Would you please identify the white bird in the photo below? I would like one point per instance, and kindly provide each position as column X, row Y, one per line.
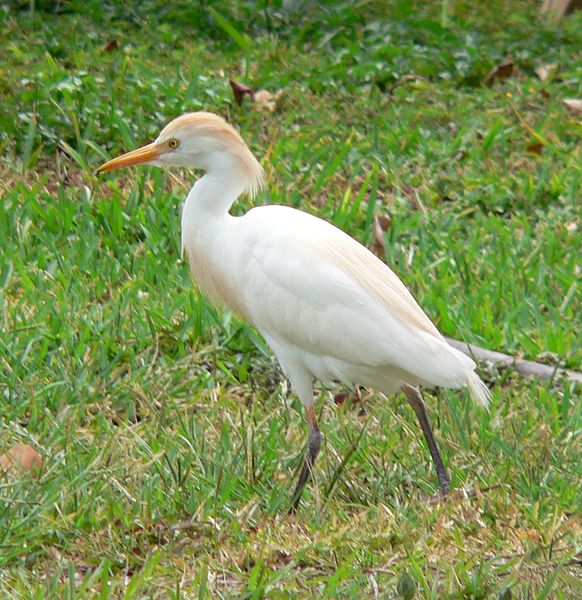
column 327, row 307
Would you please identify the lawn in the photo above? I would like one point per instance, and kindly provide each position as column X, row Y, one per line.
column 170, row 440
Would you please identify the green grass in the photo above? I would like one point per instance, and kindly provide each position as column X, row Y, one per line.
column 169, row 438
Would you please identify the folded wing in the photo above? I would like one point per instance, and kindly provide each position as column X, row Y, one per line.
column 318, row 289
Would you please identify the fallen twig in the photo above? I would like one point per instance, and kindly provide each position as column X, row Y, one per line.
column 528, row 368
column 542, row 140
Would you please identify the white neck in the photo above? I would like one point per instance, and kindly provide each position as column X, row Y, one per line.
column 213, row 195
column 208, row 204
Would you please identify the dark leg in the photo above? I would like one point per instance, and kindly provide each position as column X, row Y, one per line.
column 314, row 444
column 415, row 400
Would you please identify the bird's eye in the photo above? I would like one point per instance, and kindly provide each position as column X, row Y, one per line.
column 173, row 143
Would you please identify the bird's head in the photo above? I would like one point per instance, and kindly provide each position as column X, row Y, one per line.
column 199, row 140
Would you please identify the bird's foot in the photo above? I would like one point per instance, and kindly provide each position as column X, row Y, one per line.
column 442, row 495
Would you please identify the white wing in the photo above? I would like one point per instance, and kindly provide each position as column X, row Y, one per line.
column 311, row 286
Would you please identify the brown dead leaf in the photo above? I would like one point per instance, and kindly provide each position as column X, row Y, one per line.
column 381, row 224
column 263, row 99
column 110, row 46
column 385, row 222
column 504, row 70
column 341, row 397
column 21, row 457
column 574, row 105
column 535, row 147
column 240, row 90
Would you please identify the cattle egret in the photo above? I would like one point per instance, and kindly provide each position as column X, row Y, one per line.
column 327, row 307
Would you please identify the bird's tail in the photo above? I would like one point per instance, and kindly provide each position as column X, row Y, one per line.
column 479, row 391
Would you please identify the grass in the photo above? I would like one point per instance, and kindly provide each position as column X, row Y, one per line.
column 169, row 437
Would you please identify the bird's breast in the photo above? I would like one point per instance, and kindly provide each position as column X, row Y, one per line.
column 211, row 266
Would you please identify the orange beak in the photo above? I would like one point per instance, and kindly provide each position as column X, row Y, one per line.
column 135, row 157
